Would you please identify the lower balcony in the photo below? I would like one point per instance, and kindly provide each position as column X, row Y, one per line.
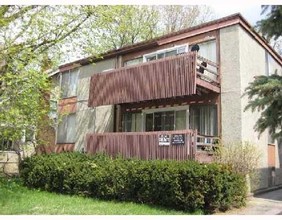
column 174, row 145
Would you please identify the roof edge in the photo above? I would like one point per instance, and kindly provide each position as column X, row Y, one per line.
column 226, row 21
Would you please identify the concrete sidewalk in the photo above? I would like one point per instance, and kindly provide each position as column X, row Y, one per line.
column 269, row 203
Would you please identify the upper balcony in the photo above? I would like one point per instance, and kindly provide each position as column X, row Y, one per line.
column 169, row 77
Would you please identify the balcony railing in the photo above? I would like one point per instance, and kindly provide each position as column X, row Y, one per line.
column 144, row 145
column 164, row 78
column 175, row 145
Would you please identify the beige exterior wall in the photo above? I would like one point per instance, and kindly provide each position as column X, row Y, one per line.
column 252, row 63
column 230, row 84
column 242, row 58
column 99, row 119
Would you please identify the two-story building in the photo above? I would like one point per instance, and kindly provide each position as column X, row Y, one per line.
column 171, row 97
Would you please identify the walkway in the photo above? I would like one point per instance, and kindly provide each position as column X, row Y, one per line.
column 269, row 203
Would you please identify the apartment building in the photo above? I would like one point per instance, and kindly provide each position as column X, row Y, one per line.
column 172, row 97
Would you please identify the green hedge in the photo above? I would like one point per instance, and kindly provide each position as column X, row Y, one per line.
column 184, row 185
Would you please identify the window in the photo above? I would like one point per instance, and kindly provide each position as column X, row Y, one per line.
column 201, row 117
column 133, row 61
column 132, row 122
column 53, row 109
column 271, row 67
column 165, row 53
column 204, row 119
column 69, row 83
column 5, row 144
column 271, row 140
column 208, row 50
column 166, row 120
column 67, row 129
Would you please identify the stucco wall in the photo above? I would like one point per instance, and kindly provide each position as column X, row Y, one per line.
column 230, row 84
column 242, row 58
column 88, row 120
column 252, row 63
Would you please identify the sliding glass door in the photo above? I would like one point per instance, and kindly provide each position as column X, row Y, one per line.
column 204, row 119
column 200, row 117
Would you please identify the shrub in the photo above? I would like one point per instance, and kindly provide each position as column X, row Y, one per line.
column 243, row 157
column 184, row 185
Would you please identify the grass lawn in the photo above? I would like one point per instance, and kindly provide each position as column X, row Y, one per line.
column 17, row 199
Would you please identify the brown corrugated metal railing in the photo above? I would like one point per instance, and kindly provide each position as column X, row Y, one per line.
column 164, row 78
column 142, row 145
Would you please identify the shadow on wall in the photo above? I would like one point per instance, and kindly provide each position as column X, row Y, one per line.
column 104, row 121
column 89, row 120
column 265, row 178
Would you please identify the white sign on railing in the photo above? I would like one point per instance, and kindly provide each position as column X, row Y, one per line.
column 164, row 140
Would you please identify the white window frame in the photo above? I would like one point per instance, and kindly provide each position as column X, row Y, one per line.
column 69, row 72
column 145, row 56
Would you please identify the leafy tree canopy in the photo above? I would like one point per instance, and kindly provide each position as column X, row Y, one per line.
column 36, row 38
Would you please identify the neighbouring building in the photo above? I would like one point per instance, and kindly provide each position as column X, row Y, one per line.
column 169, row 97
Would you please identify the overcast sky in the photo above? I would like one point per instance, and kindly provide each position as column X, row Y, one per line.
column 250, row 9
column 250, row 12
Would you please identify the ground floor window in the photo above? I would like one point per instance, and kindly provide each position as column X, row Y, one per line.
column 132, row 122
column 204, row 119
column 166, row 120
column 200, row 117
column 5, row 144
column 67, row 129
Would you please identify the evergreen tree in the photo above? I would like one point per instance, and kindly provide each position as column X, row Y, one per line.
column 265, row 93
column 272, row 25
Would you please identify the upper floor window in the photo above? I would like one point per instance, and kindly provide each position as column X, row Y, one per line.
column 69, row 83
column 165, row 53
column 133, row 61
column 271, row 66
column 207, row 50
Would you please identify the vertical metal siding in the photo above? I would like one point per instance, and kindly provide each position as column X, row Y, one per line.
column 165, row 78
column 142, row 145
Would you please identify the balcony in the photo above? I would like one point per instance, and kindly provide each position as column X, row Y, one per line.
column 173, row 145
column 170, row 77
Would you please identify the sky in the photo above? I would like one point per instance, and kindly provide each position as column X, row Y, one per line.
column 252, row 13
column 250, row 9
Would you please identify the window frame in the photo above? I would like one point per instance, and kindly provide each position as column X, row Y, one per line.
column 170, row 49
column 167, row 109
column 69, row 73
column 66, row 130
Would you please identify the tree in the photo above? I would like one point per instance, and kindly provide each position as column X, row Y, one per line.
column 176, row 17
column 265, row 95
column 35, row 38
column 120, row 25
column 30, row 42
column 271, row 26
column 265, row 92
